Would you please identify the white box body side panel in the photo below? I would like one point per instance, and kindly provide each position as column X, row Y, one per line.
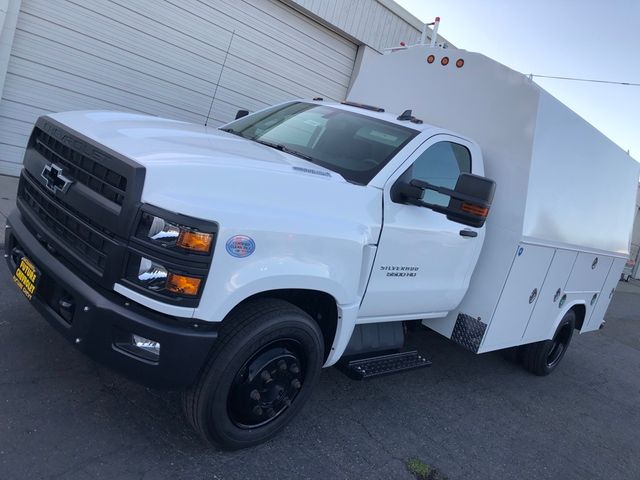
column 582, row 187
column 542, row 321
column 594, row 321
column 589, row 273
column 519, row 297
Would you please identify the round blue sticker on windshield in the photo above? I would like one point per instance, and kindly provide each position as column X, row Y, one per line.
column 240, row 246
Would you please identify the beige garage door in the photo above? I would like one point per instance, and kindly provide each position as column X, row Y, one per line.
column 164, row 58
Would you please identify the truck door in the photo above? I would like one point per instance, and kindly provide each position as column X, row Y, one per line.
column 424, row 261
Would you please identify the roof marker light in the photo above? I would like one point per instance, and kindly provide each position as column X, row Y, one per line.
column 431, row 59
column 445, row 61
column 459, row 63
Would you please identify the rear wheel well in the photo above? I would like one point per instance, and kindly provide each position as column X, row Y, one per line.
column 320, row 306
column 581, row 312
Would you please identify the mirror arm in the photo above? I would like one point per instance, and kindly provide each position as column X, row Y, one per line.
column 447, row 191
column 421, row 203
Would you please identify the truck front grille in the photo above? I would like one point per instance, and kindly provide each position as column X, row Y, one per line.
column 97, row 177
column 86, row 242
column 87, row 223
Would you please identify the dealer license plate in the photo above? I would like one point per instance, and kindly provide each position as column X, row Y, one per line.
column 26, row 277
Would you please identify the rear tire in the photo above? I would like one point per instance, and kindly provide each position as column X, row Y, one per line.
column 542, row 358
column 263, row 367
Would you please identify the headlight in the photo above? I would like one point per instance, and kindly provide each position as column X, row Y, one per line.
column 159, row 279
column 167, row 234
column 169, row 256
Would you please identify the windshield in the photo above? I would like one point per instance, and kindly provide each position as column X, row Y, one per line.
column 353, row 145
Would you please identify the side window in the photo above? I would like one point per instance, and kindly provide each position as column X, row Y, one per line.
column 440, row 165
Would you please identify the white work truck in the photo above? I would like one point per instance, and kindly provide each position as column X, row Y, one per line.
column 235, row 262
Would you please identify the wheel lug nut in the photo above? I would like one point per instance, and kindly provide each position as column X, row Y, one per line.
column 295, row 383
column 271, row 412
column 294, row 369
column 257, row 410
column 255, row 395
column 266, row 376
column 282, row 365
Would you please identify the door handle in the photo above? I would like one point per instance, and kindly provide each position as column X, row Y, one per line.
column 468, row 233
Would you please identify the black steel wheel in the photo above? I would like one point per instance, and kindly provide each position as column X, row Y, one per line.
column 264, row 365
column 542, row 358
column 267, row 384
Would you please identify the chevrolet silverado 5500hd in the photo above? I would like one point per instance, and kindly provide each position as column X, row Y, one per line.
column 235, row 262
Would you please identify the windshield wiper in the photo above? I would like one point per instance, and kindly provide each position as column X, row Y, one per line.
column 285, row 149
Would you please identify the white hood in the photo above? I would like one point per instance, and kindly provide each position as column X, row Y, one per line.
column 159, row 142
column 206, row 173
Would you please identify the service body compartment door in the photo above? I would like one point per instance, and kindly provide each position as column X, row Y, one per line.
column 519, row 296
column 542, row 322
column 589, row 273
column 604, row 298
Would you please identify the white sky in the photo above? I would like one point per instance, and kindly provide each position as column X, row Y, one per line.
column 569, row 38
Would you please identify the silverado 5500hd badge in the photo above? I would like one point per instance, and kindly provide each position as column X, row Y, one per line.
column 400, row 270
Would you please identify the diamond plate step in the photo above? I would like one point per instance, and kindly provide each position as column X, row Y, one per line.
column 371, row 367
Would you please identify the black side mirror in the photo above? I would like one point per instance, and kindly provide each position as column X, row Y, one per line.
column 241, row 113
column 469, row 202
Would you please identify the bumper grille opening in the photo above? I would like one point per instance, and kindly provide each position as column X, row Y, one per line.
column 97, row 177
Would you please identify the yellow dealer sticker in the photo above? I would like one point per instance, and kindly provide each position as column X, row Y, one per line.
column 26, row 277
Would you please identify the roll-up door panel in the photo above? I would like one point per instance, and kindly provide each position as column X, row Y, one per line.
column 165, row 59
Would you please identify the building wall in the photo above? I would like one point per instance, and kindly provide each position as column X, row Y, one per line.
column 193, row 60
column 378, row 24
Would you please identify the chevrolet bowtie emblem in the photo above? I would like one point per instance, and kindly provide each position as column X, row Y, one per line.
column 54, row 179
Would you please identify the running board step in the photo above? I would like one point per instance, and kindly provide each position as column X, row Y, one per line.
column 365, row 368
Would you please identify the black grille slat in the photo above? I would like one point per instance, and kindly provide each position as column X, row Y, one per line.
column 89, row 244
column 98, row 178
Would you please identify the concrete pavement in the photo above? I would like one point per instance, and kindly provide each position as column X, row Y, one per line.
column 62, row 416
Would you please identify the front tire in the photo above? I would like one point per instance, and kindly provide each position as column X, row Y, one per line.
column 542, row 358
column 261, row 372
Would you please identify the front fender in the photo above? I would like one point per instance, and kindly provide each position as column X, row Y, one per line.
column 246, row 278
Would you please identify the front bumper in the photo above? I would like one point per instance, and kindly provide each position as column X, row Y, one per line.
column 99, row 319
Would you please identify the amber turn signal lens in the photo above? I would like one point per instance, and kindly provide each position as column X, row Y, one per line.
column 445, row 61
column 459, row 63
column 431, row 58
column 196, row 241
column 475, row 209
column 183, row 285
